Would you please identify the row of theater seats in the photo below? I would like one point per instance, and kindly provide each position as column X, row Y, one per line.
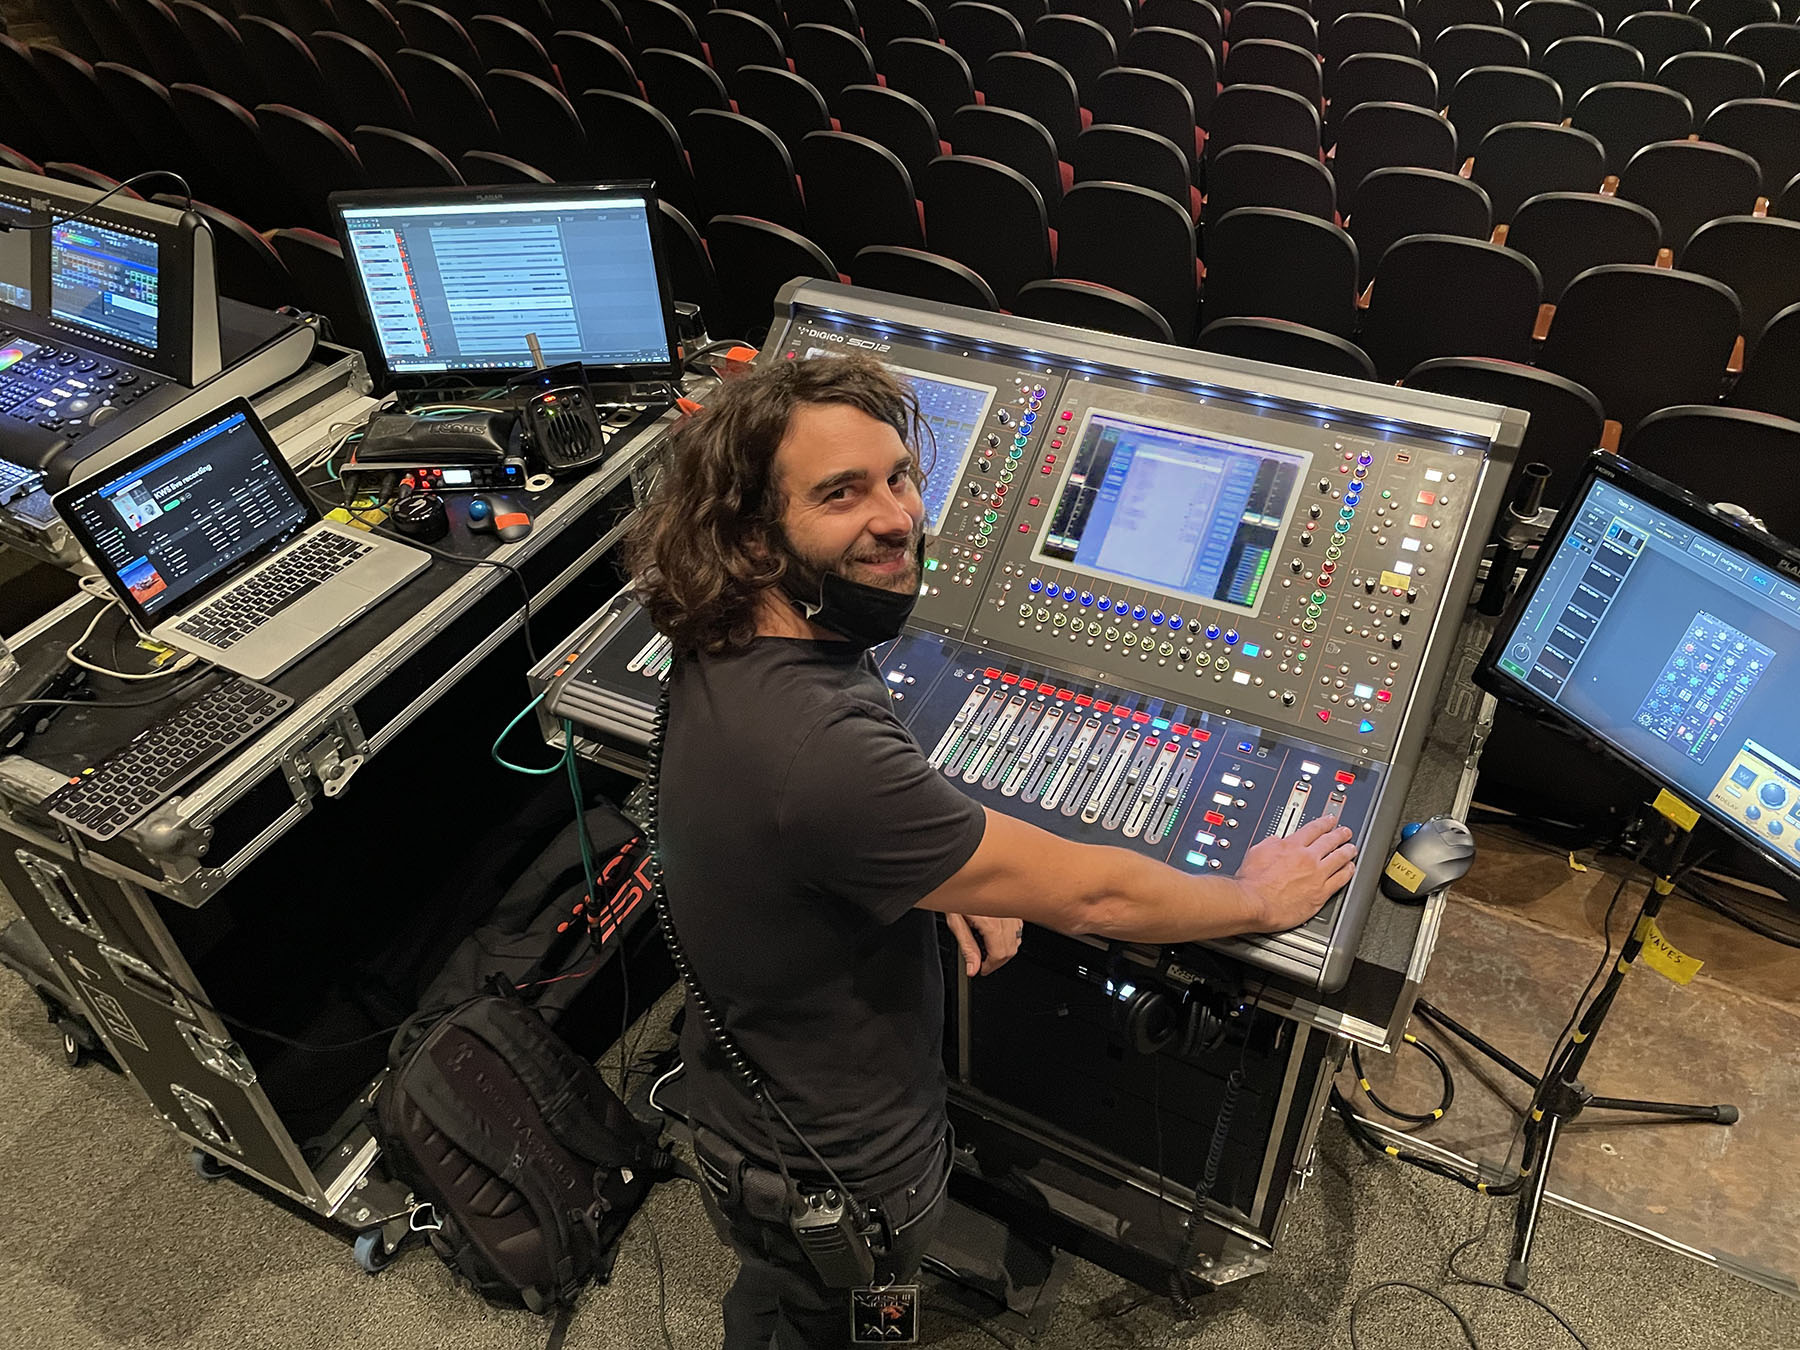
column 1561, row 234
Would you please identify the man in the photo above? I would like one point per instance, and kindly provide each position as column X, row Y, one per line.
column 805, row 841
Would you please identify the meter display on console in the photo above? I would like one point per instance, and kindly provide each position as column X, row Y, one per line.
column 1176, row 511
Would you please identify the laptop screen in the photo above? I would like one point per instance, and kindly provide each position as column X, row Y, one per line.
column 172, row 519
column 453, row 281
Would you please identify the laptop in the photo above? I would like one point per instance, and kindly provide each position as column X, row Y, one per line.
column 214, row 547
column 454, row 281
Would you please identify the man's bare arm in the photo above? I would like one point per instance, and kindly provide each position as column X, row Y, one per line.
column 1023, row 872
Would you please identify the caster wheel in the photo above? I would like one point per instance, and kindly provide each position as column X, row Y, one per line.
column 372, row 1254
column 206, row 1167
column 74, row 1052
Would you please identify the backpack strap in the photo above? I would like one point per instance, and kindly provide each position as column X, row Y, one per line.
column 467, row 1132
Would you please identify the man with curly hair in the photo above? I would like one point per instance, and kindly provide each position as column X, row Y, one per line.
column 807, row 845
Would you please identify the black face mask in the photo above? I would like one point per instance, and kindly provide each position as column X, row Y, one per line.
column 865, row 615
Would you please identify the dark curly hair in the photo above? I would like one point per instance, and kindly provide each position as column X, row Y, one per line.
column 705, row 546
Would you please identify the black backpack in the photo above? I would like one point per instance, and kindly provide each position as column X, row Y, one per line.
column 531, row 1163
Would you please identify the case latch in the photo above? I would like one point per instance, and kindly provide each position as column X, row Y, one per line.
column 331, row 759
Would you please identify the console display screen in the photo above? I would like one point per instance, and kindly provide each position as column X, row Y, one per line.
column 15, row 257
column 1172, row 511
column 106, row 280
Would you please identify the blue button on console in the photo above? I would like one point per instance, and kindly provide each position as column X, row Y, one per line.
column 1036, row 585
column 1156, row 617
column 1212, row 631
column 1105, row 603
column 1138, row 611
column 1231, row 636
column 1068, row 592
column 1175, row 622
column 1087, row 597
column 1365, row 726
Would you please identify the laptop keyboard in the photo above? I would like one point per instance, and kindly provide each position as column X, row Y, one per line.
column 122, row 790
column 247, row 605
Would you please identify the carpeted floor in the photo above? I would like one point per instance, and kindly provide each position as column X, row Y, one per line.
column 107, row 1240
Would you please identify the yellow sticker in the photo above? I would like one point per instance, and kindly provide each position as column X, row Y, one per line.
column 1392, row 580
column 1663, row 958
column 1668, row 804
column 1405, row 872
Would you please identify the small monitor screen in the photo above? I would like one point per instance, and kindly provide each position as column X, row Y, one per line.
column 1172, row 511
column 105, row 280
column 169, row 525
column 15, row 257
column 458, row 285
column 1675, row 649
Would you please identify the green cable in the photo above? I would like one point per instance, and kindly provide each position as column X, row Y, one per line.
column 494, row 750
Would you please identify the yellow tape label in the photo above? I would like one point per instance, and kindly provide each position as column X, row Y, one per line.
column 1662, row 957
column 1394, row 581
column 1405, row 872
column 1668, row 804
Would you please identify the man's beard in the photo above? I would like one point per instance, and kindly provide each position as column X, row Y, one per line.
column 858, row 565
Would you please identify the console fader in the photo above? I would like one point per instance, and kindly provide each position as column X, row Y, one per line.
column 1173, row 603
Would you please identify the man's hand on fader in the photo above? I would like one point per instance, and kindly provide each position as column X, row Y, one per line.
column 1288, row 880
column 1000, row 938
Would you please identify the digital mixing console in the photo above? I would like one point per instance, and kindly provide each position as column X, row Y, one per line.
column 1170, row 602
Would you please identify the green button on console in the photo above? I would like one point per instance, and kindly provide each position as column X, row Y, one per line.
column 989, row 516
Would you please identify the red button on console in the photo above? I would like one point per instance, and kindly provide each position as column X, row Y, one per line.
column 1009, row 678
column 1324, row 714
column 1214, row 818
column 1028, row 685
column 1140, row 717
column 992, row 672
column 1384, row 695
column 1180, row 729
column 1101, row 705
column 1345, row 777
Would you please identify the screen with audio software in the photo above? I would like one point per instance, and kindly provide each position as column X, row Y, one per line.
column 15, row 257
column 1677, row 650
column 457, row 285
column 1172, row 511
column 105, row 280
column 169, row 525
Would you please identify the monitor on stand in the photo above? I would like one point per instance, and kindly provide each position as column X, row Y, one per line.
column 1667, row 633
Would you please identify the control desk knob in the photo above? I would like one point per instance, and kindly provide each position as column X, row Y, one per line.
column 1003, row 417
column 1773, row 793
column 1287, row 698
column 1156, row 617
column 993, row 441
column 1212, row 632
column 974, row 489
column 1398, row 638
column 1231, row 636
column 1369, row 585
column 1138, row 611
column 1405, row 615
column 1324, row 485
column 1314, row 511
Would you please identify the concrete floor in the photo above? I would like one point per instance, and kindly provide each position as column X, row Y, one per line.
column 1518, row 944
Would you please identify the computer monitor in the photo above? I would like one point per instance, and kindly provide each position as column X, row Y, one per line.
column 1172, row 509
column 453, row 279
column 1668, row 634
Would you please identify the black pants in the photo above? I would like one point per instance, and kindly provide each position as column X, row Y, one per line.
column 777, row 1302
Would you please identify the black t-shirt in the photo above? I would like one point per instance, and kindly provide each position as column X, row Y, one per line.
column 800, row 824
